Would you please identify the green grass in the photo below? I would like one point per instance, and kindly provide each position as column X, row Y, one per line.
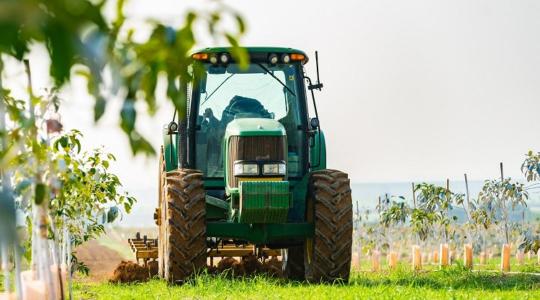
column 453, row 283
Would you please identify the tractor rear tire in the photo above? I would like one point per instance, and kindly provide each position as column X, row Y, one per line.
column 183, row 225
column 293, row 266
column 328, row 254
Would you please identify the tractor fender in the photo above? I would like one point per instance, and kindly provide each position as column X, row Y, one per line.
column 317, row 157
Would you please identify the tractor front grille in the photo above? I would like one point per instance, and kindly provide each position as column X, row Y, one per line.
column 258, row 148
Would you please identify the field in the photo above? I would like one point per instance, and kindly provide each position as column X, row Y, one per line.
column 453, row 283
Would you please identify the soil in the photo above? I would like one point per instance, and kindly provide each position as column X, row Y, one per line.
column 107, row 264
column 128, row 271
column 100, row 260
column 252, row 265
column 273, row 267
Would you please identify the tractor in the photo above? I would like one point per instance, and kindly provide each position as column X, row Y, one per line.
column 243, row 168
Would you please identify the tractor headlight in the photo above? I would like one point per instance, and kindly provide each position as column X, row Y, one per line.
column 285, row 58
column 274, row 169
column 224, row 58
column 273, row 59
column 245, row 169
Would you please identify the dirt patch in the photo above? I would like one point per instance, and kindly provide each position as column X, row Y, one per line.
column 247, row 266
column 273, row 267
column 230, row 266
column 100, row 260
column 252, row 265
column 127, row 272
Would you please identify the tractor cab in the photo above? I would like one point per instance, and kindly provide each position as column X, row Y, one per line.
column 244, row 168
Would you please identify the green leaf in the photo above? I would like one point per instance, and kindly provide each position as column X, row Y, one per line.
column 99, row 108
column 240, row 23
column 128, row 116
column 40, row 191
column 240, row 54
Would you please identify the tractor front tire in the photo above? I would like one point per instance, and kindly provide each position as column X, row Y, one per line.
column 183, row 225
column 328, row 254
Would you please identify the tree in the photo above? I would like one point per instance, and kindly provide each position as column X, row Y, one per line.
column 67, row 195
column 531, row 170
column 433, row 206
column 497, row 199
column 394, row 214
column 78, row 36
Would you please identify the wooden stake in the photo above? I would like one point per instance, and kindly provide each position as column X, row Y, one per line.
column 505, row 258
column 520, row 257
column 468, row 256
column 443, row 250
column 392, row 259
column 359, row 250
column 467, row 188
column 356, row 261
column 435, row 257
column 413, row 196
column 375, row 261
column 33, row 288
column 414, row 207
column 8, row 296
column 483, row 257
column 416, row 258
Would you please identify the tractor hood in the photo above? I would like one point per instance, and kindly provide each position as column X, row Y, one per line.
column 254, row 127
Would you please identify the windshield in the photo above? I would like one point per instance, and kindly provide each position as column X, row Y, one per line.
column 228, row 93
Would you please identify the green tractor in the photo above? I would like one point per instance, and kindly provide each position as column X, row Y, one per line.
column 246, row 169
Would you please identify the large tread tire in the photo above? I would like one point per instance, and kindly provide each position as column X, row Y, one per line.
column 328, row 254
column 293, row 266
column 183, row 225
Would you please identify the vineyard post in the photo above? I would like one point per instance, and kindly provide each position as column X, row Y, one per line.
column 448, row 198
column 503, row 204
column 358, row 233
column 469, row 249
column 506, row 248
column 414, row 207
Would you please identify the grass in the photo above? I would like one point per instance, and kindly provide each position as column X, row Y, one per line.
column 452, row 283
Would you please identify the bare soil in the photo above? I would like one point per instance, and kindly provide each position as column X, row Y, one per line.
column 100, row 260
column 128, row 271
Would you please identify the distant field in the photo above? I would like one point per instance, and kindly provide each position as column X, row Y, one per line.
column 453, row 283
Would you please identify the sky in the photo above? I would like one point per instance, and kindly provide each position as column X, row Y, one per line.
column 413, row 90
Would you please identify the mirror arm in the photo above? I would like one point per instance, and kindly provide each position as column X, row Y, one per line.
column 310, row 131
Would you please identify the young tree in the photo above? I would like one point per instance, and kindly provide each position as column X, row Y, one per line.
column 531, row 171
column 497, row 199
column 394, row 215
column 433, row 206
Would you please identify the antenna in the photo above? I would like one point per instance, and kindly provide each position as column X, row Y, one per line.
column 317, row 65
column 318, row 85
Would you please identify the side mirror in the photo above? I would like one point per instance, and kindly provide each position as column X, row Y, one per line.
column 173, row 127
column 314, row 123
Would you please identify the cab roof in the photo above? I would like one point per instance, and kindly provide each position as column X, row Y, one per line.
column 257, row 50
